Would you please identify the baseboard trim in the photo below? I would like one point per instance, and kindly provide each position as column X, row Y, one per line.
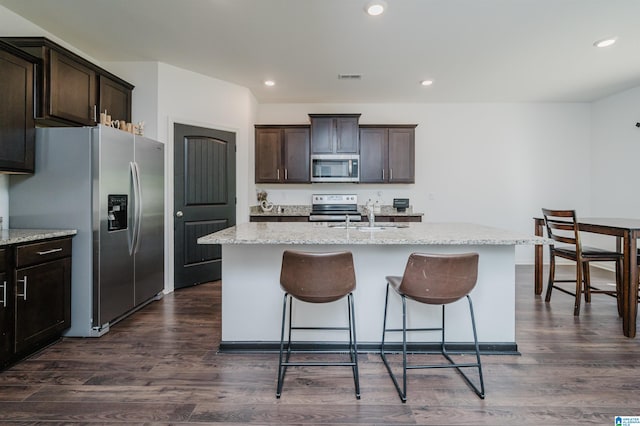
column 486, row 348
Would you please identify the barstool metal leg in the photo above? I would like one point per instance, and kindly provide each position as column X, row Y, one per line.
column 478, row 364
column 282, row 369
column 401, row 392
column 353, row 344
column 284, row 358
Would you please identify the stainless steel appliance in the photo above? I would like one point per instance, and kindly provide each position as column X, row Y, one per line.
column 109, row 185
column 334, row 208
column 335, row 168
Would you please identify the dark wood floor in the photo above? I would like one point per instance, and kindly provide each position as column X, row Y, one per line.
column 160, row 366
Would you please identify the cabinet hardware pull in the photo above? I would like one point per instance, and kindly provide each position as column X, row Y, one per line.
column 390, row 174
column 286, row 174
column 95, row 113
column 24, row 288
column 55, row 250
column 278, row 174
column 382, row 174
column 4, row 294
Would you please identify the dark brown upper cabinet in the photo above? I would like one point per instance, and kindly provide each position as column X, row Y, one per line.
column 334, row 133
column 71, row 90
column 115, row 98
column 282, row 154
column 71, row 94
column 17, row 125
column 387, row 153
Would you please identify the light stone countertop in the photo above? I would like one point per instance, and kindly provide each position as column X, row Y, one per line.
column 417, row 233
column 17, row 236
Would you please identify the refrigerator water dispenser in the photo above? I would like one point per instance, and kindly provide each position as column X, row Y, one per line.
column 117, row 213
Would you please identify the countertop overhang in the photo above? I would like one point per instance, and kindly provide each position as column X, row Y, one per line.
column 321, row 233
column 17, row 236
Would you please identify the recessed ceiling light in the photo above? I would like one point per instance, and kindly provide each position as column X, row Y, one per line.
column 426, row 82
column 269, row 83
column 375, row 7
column 606, row 42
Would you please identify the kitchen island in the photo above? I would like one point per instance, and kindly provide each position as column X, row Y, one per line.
column 252, row 298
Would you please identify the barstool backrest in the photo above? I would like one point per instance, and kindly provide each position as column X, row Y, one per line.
column 439, row 279
column 317, row 277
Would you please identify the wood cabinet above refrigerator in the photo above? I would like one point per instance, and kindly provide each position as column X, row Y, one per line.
column 70, row 90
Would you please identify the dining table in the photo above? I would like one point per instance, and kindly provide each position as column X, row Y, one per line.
column 626, row 231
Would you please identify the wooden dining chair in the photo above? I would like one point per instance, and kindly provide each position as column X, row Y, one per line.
column 562, row 227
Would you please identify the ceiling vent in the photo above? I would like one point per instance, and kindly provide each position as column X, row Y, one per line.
column 349, row 76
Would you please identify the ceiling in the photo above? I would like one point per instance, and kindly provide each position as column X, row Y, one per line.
column 474, row 50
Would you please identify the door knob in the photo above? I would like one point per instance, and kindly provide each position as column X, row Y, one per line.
column 179, row 213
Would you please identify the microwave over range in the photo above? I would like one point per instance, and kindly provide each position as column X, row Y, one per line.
column 335, row 168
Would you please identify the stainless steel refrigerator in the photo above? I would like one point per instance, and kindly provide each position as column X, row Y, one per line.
column 109, row 185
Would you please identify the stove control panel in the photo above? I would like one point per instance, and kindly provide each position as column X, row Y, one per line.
column 334, row 199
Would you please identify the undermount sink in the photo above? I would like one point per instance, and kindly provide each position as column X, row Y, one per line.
column 366, row 227
column 373, row 228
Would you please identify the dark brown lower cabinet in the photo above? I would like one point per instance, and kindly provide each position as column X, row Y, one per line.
column 408, row 218
column 6, row 308
column 41, row 310
column 279, row 219
column 38, row 296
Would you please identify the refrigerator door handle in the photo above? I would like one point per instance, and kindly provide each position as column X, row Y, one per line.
column 138, row 208
column 135, row 200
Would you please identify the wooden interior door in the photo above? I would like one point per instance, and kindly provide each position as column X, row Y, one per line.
column 204, row 200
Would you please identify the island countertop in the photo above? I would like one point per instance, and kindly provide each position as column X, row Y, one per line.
column 321, row 233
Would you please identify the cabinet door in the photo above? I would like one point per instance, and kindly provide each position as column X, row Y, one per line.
column 296, row 155
column 41, row 302
column 17, row 126
column 115, row 98
column 323, row 135
column 6, row 310
column 401, row 155
column 268, row 155
column 347, row 140
column 72, row 91
column 373, row 155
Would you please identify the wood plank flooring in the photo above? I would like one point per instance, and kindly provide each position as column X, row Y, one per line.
column 160, row 366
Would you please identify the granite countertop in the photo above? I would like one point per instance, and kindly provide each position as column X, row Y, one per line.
column 419, row 233
column 288, row 210
column 16, row 236
column 305, row 210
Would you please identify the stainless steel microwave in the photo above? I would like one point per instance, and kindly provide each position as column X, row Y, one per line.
column 335, row 168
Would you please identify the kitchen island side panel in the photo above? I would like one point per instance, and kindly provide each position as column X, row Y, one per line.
column 252, row 298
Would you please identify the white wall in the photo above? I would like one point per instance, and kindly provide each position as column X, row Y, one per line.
column 615, row 151
column 494, row 164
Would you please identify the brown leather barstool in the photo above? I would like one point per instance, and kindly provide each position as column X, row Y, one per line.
column 433, row 279
column 317, row 278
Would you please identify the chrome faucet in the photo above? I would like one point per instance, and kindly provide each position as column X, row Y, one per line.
column 371, row 216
